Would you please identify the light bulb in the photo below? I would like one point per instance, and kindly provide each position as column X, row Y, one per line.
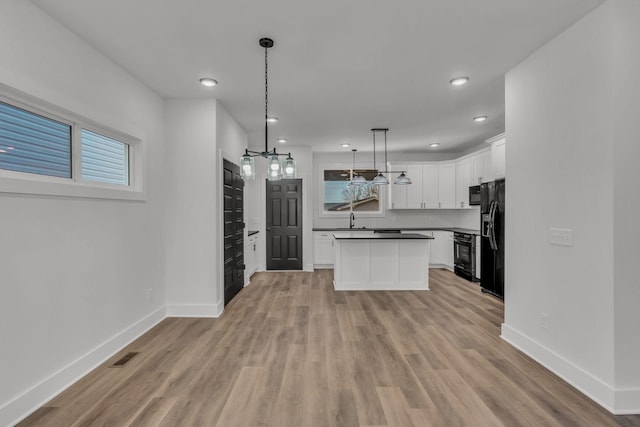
column 289, row 170
column 275, row 166
column 247, row 168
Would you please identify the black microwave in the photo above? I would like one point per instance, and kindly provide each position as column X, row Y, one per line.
column 474, row 195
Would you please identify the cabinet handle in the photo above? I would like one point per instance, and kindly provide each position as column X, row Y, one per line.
column 393, row 205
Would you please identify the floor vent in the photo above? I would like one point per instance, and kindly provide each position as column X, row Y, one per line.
column 125, row 359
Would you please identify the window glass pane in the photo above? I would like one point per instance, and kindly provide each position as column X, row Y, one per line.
column 34, row 144
column 338, row 193
column 104, row 159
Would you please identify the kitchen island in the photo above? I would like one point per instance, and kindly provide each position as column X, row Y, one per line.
column 381, row 261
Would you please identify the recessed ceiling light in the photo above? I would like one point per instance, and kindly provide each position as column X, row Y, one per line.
column 345, row 145
column 457, row 81
column 208, row 82
column 282, row 140
column 480, row 118
column 272, row 119
column 434, row 145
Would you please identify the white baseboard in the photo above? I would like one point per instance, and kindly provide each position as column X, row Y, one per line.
column 308, row 268
column 323, row 266
column 23, row 405
column 195, row 310
column 616, row 401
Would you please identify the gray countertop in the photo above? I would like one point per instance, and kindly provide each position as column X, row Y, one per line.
column 453, row 229
column 344, row 235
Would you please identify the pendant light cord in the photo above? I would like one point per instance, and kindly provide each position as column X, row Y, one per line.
column 385, row 150
column 374, row 150
column 266, row 102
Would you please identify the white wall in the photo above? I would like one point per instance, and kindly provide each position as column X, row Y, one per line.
column 570, row 123
column 200, row 133
column 190, row 222
column 75, row 271
column 626, row 197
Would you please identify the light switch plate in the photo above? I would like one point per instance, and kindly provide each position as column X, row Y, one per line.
column 561, row 236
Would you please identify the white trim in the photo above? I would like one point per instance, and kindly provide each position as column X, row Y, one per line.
column 309, row 267
column 32, row 399
column 494, row 138
column 195, row 310
column 616, row 401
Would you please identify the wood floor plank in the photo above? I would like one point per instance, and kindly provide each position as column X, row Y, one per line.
column 290, row 351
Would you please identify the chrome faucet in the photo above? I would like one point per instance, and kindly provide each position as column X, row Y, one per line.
column 352, row 219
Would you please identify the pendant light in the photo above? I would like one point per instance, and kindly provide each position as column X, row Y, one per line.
column 357, row 179
column 276, row 169
column 380, row 179
column 402, row 179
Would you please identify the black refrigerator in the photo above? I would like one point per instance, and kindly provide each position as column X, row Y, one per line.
column 492, row 210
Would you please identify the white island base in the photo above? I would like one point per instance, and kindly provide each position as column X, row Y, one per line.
column 383, row 263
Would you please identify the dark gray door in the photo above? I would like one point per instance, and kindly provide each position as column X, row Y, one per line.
column 233, row 188
column 284, row 224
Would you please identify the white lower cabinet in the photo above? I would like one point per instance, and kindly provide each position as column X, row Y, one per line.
column 442, row 249
column 251, row 257
column 323, row 249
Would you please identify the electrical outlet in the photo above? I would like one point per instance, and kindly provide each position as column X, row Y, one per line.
column 150, row 294
column 544, row 321
column 561, row 236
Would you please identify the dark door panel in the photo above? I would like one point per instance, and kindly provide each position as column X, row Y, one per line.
column 233, row 217
column 284, row 225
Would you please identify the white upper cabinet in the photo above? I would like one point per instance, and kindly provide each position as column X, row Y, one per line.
column 464, row 172
column 440, row 185
column 498, row 156
column 447, row 185
column 430, row 186
column 398, row 193
column 414, row 190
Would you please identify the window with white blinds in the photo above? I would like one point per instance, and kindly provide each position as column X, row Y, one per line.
column 33, row 143
column 45, row 149
column 104, row 159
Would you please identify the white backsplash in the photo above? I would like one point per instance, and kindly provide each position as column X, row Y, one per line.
column 467, row 218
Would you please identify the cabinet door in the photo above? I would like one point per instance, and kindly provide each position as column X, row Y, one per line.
column 430, row 186
column 323, row 252
column 449, row 256
column 463, row 180
column 438, row 247
column 398, row 199
column 414, row 191
column 498, row 157
column 447, row 185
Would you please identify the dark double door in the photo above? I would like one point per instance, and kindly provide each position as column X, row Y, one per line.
column 233, row 193
column 284, row 224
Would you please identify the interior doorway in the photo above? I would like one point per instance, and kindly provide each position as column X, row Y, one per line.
column 284, row 224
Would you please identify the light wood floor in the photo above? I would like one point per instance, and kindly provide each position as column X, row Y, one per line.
column 290, row 351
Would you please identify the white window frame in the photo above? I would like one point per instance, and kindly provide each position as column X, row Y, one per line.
column 30, row 183
column 381, row 212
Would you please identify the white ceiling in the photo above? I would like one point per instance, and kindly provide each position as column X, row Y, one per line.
column 338, row 67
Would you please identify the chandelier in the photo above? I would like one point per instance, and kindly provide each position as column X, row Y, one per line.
column 276, row 169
